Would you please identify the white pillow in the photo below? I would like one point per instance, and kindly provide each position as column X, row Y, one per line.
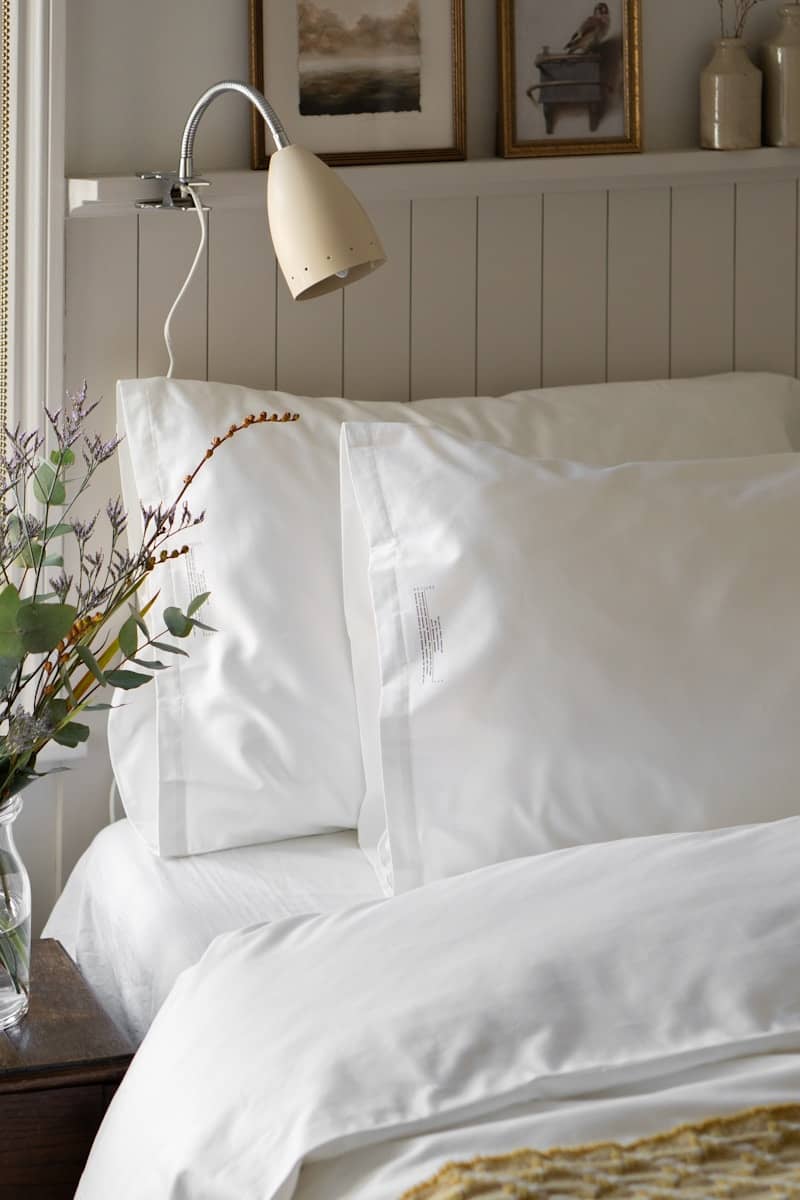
column 571, row 654
column 255, row 737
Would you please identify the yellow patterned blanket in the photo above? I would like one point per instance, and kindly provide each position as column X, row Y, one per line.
column 750, row 1156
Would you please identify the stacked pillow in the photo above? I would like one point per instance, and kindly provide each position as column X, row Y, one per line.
column 260, row 734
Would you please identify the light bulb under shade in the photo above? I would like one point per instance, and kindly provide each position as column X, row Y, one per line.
column 322, row 236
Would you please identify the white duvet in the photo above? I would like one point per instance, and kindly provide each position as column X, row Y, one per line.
column 599, row 991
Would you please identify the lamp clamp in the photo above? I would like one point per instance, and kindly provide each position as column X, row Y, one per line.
column 174, row 194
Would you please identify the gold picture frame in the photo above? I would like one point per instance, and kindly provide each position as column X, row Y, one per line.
column 278, row 75
column 584, row 96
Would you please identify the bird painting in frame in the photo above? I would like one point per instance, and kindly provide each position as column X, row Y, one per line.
column 592, row 32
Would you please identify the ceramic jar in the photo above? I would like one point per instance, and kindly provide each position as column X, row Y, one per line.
column 730, row 99
column 781, row 57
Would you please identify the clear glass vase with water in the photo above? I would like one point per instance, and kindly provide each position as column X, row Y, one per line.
column 15, row 921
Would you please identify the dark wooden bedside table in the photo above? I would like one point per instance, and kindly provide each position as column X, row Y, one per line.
column 58, row 1071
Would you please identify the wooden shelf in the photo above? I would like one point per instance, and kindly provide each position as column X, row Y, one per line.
column 111, row 195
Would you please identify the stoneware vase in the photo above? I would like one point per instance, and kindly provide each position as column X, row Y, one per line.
column 730, row 99
column 781, row 57
column 15, row 921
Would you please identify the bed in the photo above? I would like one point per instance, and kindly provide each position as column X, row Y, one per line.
column 133, row 921
column 425, row 829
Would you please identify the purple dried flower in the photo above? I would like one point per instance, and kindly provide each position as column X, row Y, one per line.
column 96, row 451
column 83, row 530
column 24, row 731
column 117, row 516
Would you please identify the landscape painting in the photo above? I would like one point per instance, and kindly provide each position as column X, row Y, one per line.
column 361, row 81
column 359, row 56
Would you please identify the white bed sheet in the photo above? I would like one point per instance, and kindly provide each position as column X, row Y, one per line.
column 133, row 921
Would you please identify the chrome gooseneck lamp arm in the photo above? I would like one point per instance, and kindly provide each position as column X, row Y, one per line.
column 259, row 101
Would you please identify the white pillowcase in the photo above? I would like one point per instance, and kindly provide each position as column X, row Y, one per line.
column 571, row 654
column 255, row 737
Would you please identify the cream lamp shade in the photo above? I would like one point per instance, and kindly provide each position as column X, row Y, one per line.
column 323, row 238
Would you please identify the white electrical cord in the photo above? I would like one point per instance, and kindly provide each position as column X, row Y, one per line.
column 203, row 236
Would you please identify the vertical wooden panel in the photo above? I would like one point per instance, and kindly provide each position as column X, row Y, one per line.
column 167, row 245
column 309, row 345
column 241, row 299
column 509, row 293
column 377, row 313
column 638, row 284
column 574, row 288
column 702, row 279
column 443, row 297
column 766, row 276
column 100, row 325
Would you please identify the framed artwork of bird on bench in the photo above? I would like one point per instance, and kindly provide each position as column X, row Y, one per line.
column 570, row 77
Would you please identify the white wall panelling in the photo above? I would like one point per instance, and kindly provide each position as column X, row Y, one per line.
column 241, row 337
column 443, row 290
column 766, row 276
column 509, row 334
column 167, row 243
column 501, row 276
column 639, row 284
column 703, row 262
column 574, row 288
column 377, row 313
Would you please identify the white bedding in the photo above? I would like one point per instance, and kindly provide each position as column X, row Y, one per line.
column 133, row 921
column 386, row 1171
column 602, row 990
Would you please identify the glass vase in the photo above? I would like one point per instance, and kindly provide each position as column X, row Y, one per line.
column 15, row 921
column 730, row 99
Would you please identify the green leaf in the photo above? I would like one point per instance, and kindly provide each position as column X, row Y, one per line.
column 31, row 554
column 200, row 625
column 178, row 623
column 152, row 664
column 42, row 626
column 58, row 710
column 72, row 734
column 53, row 560
column 198, row 602
column 90, row 662
column 128, row 637
column 8, row 667
column 59, row 530
column 62, row 458
column 14, row 527
column 47, row 487
column 139, row 619
column 165, row 648
column 11, row 647
column 98, row 707
column 127, row 679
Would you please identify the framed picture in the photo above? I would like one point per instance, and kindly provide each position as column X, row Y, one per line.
column 361, row 81
column 569, row 77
